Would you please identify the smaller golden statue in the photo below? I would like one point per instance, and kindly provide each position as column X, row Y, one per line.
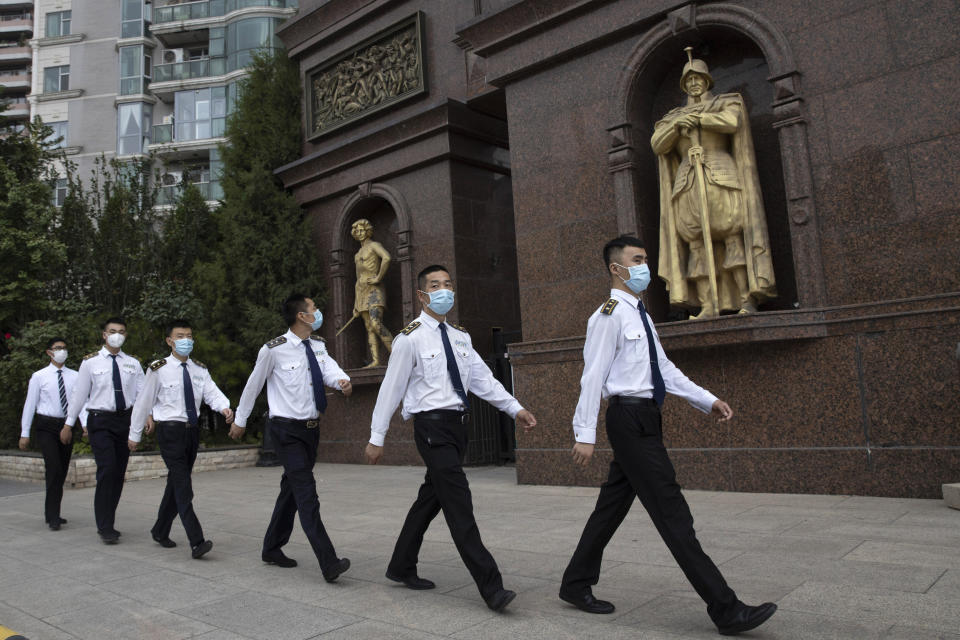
column 370, row 300
column 714, row 247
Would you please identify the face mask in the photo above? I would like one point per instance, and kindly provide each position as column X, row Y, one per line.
column 183, row 346
column 317, row 320
column 441, row 301
column 60, row 356
column 115, row 340
column 639, row 277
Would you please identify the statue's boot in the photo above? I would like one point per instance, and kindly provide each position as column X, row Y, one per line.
column 374, row 345
column 707, row 310
column 747, row 303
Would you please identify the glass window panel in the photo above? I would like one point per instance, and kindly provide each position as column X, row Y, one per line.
column 129, row 62
column 65, row 23
column 64, row 78
column 203, row 129
column 132, row 9
column 203, row 109
column 51, row 79
column 184, row 131
column 53, row 24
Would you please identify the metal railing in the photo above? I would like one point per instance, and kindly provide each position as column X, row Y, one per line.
column 210, row 9
column 162, row 133
column 181, row 70
column 170, row 194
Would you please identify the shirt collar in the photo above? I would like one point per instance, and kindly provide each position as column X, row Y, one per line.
column 174, row 359
column 50, row 365
column 292, row 337
column 428, row 320
column 623, row 296
column 106, row 354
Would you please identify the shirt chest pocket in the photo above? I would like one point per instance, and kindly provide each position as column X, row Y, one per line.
column 635, row 348
column 170, row 391
column 432, row 362
column 290, row 372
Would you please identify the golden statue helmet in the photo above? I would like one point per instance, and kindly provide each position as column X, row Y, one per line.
column 694, row 65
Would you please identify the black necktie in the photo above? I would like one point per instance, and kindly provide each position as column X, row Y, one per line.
column 117, row 386
column 63, row 392
column 188, row 398
column 319, row 396
column 659, row 390
column 452, row 367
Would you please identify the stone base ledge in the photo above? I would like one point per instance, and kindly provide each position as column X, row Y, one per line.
column 28, row 467
column 951, row 495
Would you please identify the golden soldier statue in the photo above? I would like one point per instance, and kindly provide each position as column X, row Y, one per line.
column 370, row 300
column 714, row 247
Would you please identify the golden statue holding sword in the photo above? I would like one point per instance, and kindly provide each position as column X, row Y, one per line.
column 370, row 299
column 714, row 246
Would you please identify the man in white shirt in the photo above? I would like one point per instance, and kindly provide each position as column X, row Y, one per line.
column 108, row 383
column 45, row 409
column 295, row 368
column 432, row 368
column 171, row 395
column 624, row 363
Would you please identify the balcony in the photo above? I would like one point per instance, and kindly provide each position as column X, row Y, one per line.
column 211, row 191
column 162, row 134
column 180, row 12
column 16, row 109
column 16, row 4
column 19, row 23
column 13, row 79
column 11, row 53
column 201, row 68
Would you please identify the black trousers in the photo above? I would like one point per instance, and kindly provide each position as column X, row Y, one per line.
column 56, row 462
column 178, row 447
column 641, row 468
column 442, row 445
column 108, row 433
column 296, row 446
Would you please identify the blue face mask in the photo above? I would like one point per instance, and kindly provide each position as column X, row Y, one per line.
column 639, row 277
column 183, row 346
column 441, row 301
column 317, row 320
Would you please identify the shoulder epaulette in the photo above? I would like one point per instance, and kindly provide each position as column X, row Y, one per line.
column 156, row 364
column 609, row 306
column 410, row 328
column 457, row 327
column 276, row 342
column 91, row 355
column 317, row 338
column 199, row 364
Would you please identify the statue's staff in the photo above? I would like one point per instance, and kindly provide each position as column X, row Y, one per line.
column 696, row 158
column 352, row 318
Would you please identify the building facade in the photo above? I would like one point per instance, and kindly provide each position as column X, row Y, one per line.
column 527, row 145
column 16, row 68
column 126, row 78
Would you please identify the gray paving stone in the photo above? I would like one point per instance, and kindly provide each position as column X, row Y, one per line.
column 29, row 626
column 126, row 619
column 885, row 606
column 907, row 553
column 525, row 625
column 48, row 596
column 170, row 590
column 375, row 630
column 266, row 617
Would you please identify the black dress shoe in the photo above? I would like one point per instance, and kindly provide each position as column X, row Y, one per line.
column 115, row 532
column 108, row 537
column 198, row 550
column 166, row 543
column 332, row 573
column 499, row 601
column 277, row 558
column 588, row 603
column 413, row 582
column 745, row 617
column 63, row 521
column 54, row 526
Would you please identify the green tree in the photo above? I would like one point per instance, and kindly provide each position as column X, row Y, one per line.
column 29, row 257
column 265, row 249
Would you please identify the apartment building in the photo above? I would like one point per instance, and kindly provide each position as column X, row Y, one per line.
column 16, row 29
column 126, row 78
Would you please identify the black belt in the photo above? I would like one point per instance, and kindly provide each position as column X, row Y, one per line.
column 174, row 423
column 50, row 418
column 633, row 401
column 309, row 424
column 100, row 412
column 444, row 415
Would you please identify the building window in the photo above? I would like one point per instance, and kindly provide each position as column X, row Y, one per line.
column 59, row 192
column 58, row 24
column 59, row 136
column 131, row 70
column 245, row 37
column 200, row 114
column 56, row 79
column 133, row 128
column 132, row 18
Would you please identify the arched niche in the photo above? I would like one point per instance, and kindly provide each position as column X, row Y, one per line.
column 747, row 54
column 387, row 211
